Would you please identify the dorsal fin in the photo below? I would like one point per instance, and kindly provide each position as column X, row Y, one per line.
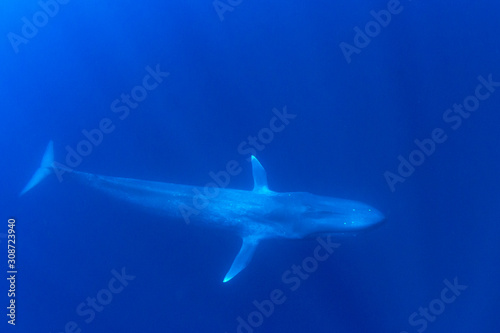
column 259, row 176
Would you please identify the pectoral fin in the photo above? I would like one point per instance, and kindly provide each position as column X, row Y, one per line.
column 243, row 258
column 259, row 177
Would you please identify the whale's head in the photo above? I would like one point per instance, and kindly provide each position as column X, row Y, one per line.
column 316, row 215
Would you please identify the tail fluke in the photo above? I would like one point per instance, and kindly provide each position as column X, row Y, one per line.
column 43, row 171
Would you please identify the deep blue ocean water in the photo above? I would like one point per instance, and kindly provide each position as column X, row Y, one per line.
column 395, row 104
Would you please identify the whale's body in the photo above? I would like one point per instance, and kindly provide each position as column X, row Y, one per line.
column 253, row 215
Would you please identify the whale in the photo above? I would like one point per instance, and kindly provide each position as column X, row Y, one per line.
column 253, row 215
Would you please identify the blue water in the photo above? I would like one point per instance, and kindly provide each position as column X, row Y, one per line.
column 361, row 90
